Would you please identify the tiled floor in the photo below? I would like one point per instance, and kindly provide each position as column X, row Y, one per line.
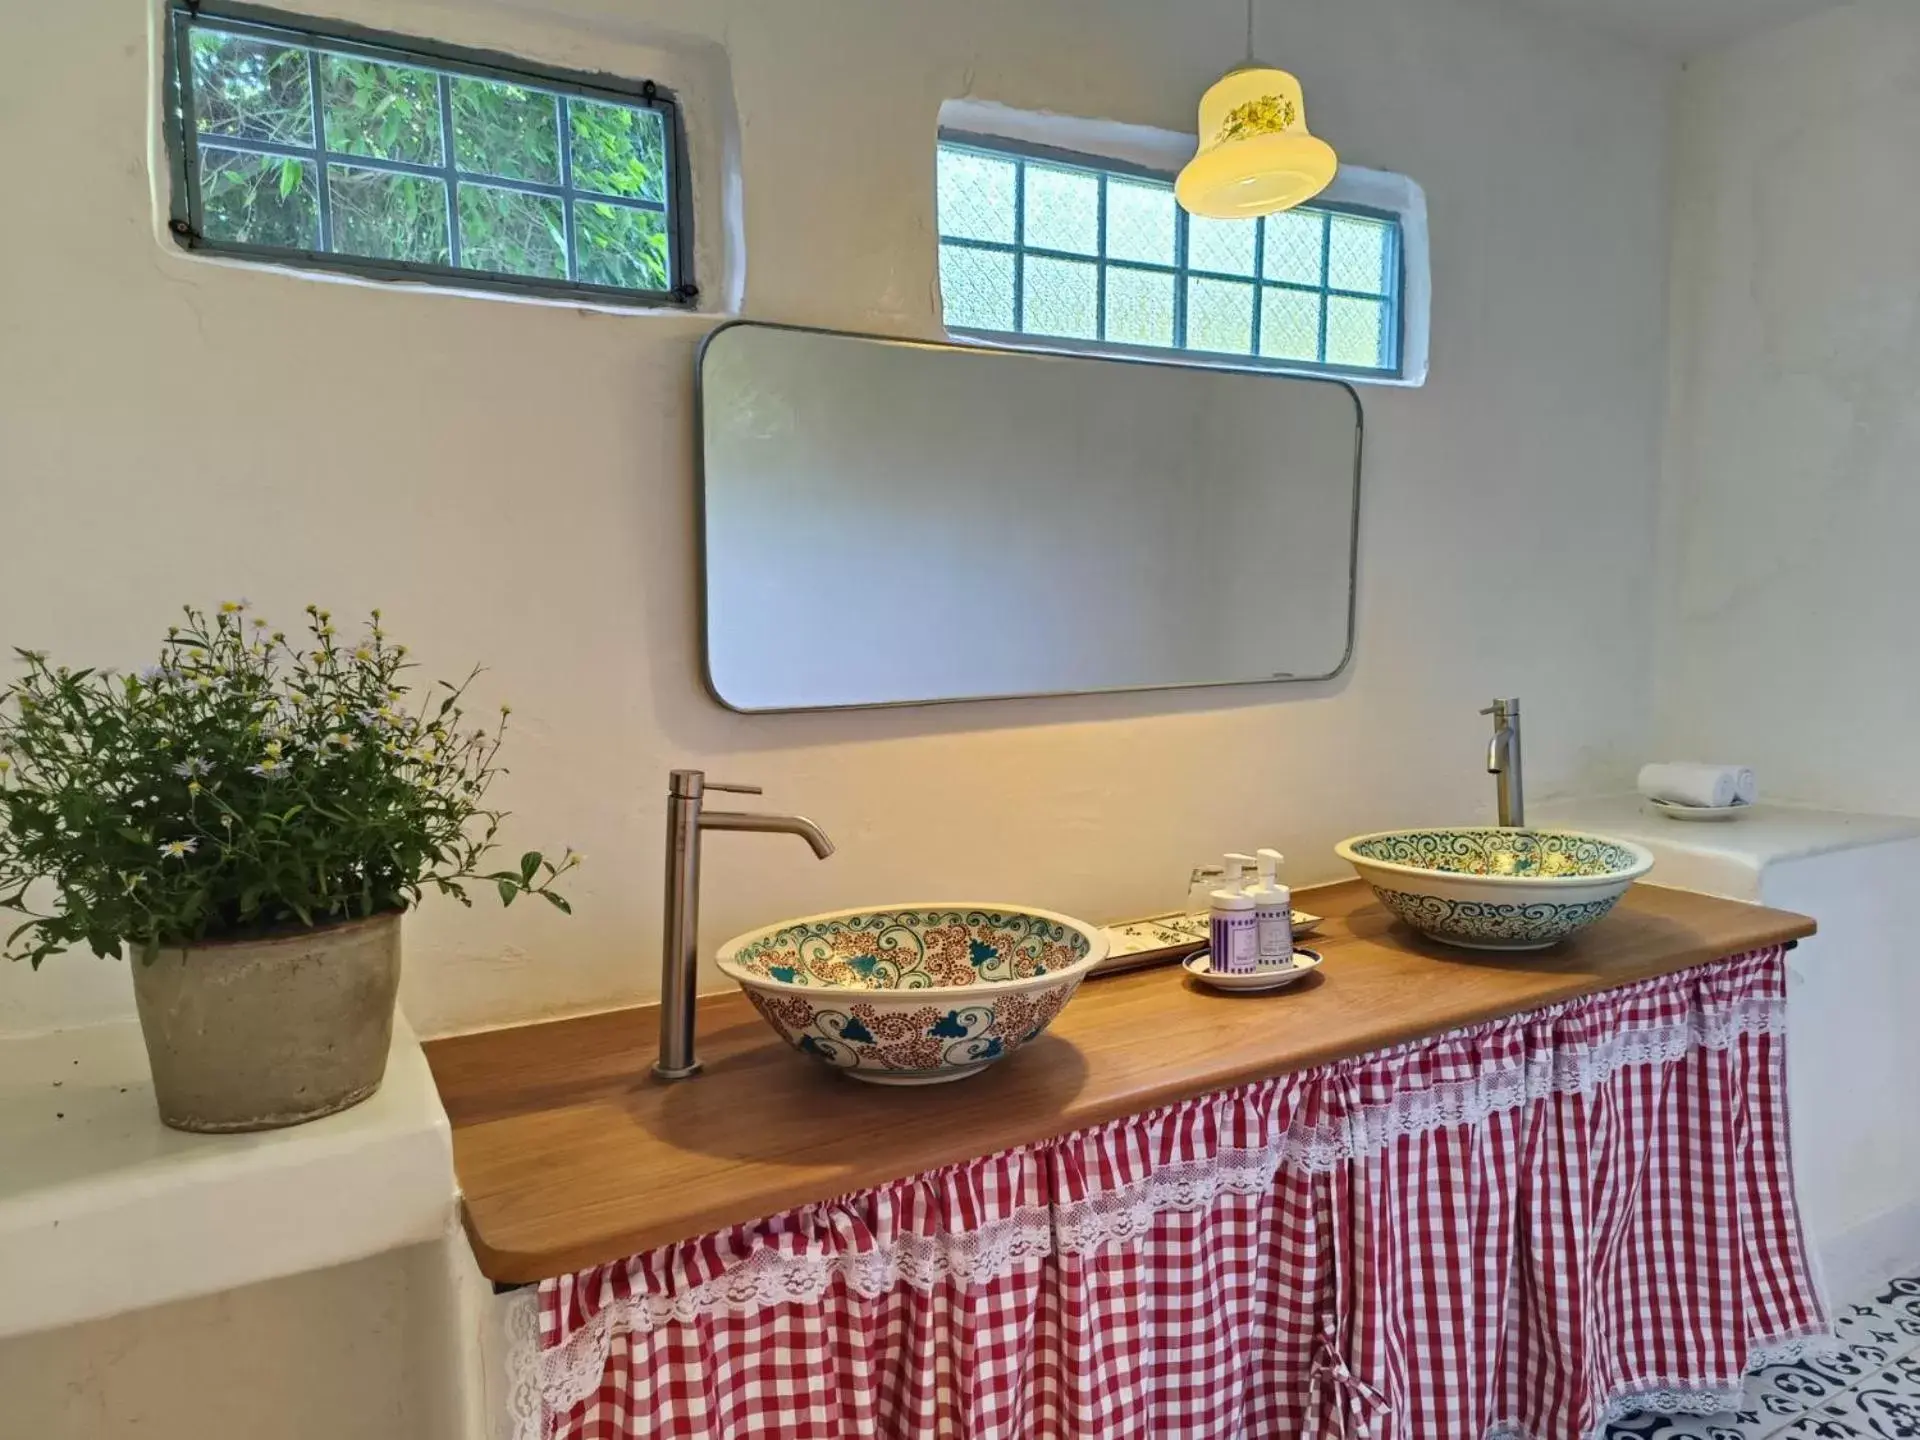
column 1868, row 1386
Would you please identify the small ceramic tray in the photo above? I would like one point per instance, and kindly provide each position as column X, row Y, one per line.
column 1305, row 962
column 1162, row 939
column 1696, row 812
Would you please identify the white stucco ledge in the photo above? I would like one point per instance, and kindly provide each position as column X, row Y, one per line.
column 103, row 1209
column 1727, row 857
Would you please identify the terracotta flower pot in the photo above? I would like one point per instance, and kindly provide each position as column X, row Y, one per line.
column 259, row 1034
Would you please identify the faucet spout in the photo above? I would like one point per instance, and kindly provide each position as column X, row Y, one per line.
column 687, row 820
column 1503, row 760
column 770, row 825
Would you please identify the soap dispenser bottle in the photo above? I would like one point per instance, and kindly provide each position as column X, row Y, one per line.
column 1233, row 932
column 1272, row 913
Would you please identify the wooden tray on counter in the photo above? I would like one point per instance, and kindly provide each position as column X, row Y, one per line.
column 1168, row 938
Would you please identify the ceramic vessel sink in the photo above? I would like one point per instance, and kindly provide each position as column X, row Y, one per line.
column 1495, row 889
column 914, row 994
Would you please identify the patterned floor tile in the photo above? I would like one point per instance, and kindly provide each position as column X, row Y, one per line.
column 1733, row 1426
column 1786, row 1391
column 1887, row 1405
column 1865, row 1387
column 1820, row 1427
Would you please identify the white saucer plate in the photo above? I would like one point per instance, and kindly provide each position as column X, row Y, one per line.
column 1305, row 962
column 1696, row 812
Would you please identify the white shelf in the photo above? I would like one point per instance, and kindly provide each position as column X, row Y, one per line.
column 103, row 1209
column 1728, row 857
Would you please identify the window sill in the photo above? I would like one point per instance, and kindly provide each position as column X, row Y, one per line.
column 700, row 317
column 1204, row 359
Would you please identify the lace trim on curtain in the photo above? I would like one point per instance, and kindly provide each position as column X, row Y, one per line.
column 1680, row 1399
column 570, row 1372
column 527, row 1403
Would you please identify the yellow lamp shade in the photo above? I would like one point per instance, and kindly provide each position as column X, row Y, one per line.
column 1256, row 154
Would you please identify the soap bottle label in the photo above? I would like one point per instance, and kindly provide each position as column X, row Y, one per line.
column 1246, row 948
column 1276, row 936
column 1236, row 942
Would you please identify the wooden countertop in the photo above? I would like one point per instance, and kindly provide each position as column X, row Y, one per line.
column 570, row 1154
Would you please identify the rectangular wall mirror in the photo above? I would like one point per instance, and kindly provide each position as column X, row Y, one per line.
column 890, row 522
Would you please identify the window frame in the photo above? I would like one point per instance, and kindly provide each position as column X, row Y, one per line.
column 318, row 36
column 1023, row 151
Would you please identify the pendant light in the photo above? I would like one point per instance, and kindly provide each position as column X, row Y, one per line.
column 1256, row 154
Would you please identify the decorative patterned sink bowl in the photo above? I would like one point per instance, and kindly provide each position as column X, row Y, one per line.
column 914, row 994
column 1492, row 889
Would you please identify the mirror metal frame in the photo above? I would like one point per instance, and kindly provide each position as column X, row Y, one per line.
column 1035, row 352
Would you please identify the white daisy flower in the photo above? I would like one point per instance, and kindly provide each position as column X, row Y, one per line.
column 178, row 849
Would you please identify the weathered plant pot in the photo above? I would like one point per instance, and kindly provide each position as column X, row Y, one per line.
column 259, row 1034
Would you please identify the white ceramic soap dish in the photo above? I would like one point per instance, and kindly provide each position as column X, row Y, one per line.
column 1696, row 812
column 1200, row 967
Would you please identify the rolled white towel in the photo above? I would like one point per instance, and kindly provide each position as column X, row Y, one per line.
column 1701, row 786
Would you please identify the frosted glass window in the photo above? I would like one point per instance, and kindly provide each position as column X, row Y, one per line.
column 1081, row 253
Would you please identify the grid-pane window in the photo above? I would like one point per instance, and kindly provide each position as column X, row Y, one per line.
column 1037, row 245
column 357, row 152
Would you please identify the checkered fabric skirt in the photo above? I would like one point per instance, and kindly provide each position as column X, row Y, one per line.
column 1521, row 1228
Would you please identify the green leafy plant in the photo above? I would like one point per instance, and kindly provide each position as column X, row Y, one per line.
column 245, row 784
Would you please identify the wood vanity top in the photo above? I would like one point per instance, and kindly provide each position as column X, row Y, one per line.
column 570, row 1154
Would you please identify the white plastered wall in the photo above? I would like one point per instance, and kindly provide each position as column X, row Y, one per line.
column 513, row 482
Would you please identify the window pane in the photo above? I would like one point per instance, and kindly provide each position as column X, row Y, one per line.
column 1354, row 332
column 1063, row 210
column 1139, row 307
column 976, row 197
column 386, row 116
column 1223, row 245
column 250, row 89
column 389, row 112
column 1140, row 221
column 259, row 199
column 505, row 130
column 1154, row 277
column 386, row 216
column 1062, row 298
column 618, row 150
column 1357, row 255
column 1220, row 316
column 619, row 245
column 511, row 232
column 976, row 288
column 1289, row 324
column 1295, row 239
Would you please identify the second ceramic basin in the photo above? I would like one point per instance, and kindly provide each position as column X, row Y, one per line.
column 1488, row 888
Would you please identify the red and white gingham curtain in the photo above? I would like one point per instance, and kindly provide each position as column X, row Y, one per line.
column 1520, row 1228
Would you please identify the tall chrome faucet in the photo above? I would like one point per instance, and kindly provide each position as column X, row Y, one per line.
column 687, row 817
column 1503, row 760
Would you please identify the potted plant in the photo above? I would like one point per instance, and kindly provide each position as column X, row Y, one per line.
column 248, row 820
